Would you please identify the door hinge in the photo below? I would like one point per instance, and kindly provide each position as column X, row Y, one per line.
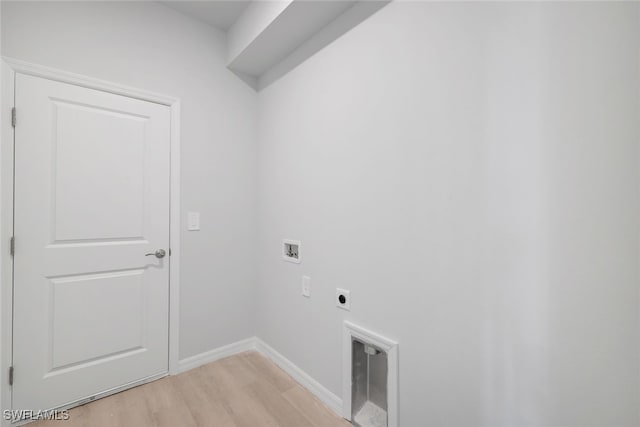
column 11, row 375
column 169, row 251
column 12, row 245
column 13, row 117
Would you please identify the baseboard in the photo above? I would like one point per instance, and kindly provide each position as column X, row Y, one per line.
column 320, row 391
column 215, row 354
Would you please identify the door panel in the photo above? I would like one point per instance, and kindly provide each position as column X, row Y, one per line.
column 115, row 151
column 104, row 297
column 91, row 199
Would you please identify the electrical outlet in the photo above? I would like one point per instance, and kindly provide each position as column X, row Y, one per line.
column 343, row 299
column 306, row 286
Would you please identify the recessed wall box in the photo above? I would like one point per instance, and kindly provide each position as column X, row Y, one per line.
column 370, row 383
column 291, row 250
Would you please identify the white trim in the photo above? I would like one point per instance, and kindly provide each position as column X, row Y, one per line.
column 391, row 348
column 321, row 392
column 30, row 69
column 174, row 242
column 6, row 231
column 11, row 66
column 217, row 354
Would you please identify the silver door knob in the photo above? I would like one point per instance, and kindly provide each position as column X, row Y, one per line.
column 160, row 253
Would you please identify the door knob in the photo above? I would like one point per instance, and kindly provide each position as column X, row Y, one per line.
column 160, row 253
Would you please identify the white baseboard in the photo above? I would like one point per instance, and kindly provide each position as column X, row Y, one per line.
column 215, row 354
column 320, row 391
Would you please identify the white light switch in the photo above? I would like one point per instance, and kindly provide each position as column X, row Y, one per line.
column 306, row 286
column 193, row 221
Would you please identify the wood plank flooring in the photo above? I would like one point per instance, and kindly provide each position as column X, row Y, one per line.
column 245, row 390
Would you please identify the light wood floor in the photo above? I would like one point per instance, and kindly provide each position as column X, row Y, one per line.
column 246, row 390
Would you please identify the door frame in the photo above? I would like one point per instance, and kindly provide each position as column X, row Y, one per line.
column 9, row 67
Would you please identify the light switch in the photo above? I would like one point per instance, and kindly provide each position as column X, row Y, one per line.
column 306, row 286
column 193, row 221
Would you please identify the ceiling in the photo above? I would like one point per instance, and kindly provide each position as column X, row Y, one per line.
column 268, row 38
column 220, row 14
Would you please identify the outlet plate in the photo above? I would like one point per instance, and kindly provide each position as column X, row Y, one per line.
column 346, row 305
column 292, row 250
column 306, row 286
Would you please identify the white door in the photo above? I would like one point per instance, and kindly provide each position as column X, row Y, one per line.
column 91, row 199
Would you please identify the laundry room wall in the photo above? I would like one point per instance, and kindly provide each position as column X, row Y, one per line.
column 470, row 172
column 148, row 46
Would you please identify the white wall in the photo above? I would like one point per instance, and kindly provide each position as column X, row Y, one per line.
column 148, row 46
column 471, row 173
